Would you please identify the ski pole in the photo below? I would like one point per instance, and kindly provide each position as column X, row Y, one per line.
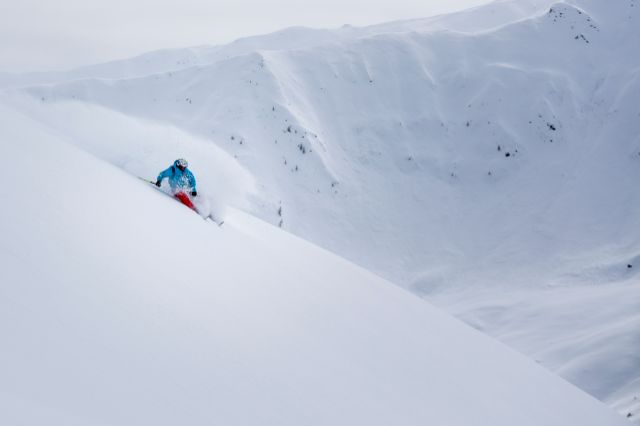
column 146, row 180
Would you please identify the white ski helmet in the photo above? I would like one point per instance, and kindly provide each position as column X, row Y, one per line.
column 181, row 163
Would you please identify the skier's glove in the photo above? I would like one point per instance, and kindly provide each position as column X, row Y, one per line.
column 158, row 183
column 194, row 193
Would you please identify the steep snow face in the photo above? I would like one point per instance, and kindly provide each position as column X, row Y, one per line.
column 397, row 138
column 120, row 306
column 486, row 160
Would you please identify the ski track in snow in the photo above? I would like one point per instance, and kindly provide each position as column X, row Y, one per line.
column 486, row 160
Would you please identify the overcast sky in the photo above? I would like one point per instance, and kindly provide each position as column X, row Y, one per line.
column 59, row 34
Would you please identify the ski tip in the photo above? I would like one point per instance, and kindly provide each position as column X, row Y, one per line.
column 214, row 221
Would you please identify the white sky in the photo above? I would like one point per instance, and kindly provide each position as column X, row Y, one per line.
column 59, row 34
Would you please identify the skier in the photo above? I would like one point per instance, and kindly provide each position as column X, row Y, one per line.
column 181, row 181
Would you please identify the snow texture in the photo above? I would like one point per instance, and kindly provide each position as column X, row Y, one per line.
column 122, row 307
column 486, row 160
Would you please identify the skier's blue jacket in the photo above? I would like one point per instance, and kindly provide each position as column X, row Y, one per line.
column 178, row 180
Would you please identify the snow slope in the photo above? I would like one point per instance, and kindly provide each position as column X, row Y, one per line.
column 486, row 160
column 121, row 307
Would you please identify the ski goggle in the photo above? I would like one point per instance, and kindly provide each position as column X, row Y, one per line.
column 182, row 163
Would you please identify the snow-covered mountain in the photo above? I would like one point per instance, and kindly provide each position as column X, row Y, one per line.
column 486, row 160
column 122, row 307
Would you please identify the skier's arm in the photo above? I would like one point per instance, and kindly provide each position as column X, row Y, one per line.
column 163, row 174
column 192, row 183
